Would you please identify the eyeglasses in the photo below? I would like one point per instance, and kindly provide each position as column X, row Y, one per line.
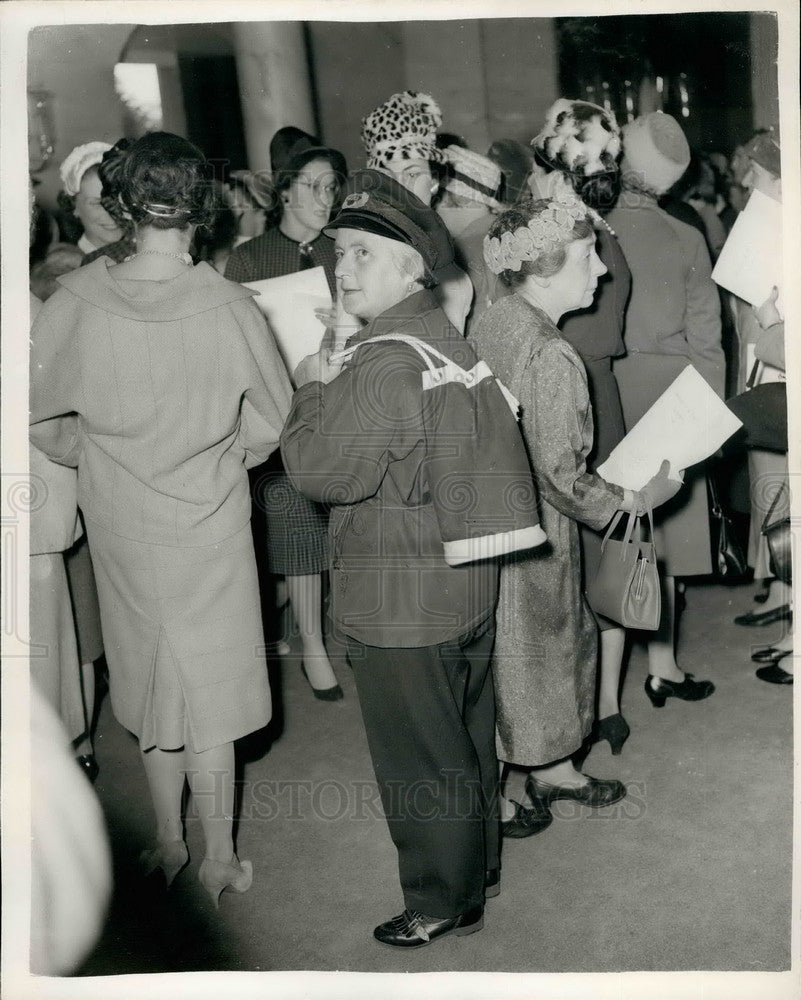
column 320, row 186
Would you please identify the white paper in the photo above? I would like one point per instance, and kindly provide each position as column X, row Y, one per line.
column 289, row 303
column 687, row 424
column 750, row 263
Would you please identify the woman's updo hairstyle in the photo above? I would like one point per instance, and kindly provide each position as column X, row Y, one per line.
column 109, row 171
column 547, row 262
column 166, row 183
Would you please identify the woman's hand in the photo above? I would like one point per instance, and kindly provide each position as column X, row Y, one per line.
column 767, row 314
column 340, row 322
column 658, row 490
column 317, row 368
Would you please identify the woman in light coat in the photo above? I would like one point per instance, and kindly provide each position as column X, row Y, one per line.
column 178, row 388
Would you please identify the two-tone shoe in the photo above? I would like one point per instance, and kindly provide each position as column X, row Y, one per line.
column 413, row 929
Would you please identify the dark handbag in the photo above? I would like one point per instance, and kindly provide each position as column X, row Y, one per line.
column 763, row 412
column 626, row 587
column 728, row 558
column 776, row 529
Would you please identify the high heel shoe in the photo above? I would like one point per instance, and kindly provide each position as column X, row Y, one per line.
column 171, row 856
column 614, row 729
column 595, row 792
column 658, row 689
column 333, row 693
column 216, row 876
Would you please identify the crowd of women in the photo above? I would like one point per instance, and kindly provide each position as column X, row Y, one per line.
column 497, row 323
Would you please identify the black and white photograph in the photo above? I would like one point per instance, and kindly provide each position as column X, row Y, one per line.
column 401, row 496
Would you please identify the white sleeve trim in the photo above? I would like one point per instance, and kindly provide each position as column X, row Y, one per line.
column 464, row 550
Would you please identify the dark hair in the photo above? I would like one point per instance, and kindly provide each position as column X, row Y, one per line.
column 284, row 177
column 165, row 182
column 445, row 139
column 109, row 171
column 599, row 190
column 546, row 264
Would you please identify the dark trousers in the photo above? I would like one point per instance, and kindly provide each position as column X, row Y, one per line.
column 429, row 714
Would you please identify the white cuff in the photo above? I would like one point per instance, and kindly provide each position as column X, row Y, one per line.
column 464, row 550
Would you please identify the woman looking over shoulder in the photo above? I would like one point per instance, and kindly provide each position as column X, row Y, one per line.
column 546, row 644
column 178, row 388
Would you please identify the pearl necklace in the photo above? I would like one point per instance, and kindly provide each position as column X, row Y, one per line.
column 184, row 258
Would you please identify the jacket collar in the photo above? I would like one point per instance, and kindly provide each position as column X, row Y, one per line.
column 396, row 316
column 192, row 292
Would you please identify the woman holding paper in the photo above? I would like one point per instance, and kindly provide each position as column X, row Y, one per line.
column 546, row 645
column 306, row 179
column 672, row 320
column 761, row 334
column 178, row 388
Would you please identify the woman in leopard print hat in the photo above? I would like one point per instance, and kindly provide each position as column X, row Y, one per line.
column 399, row 137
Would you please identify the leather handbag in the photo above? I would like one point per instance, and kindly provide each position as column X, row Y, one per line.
column 728, row 558
column 626, row 587
column 776, row 529
column 763, row 411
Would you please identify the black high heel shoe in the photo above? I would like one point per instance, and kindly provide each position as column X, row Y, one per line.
column 614, row 729
column 333, row 693
column 658, row 689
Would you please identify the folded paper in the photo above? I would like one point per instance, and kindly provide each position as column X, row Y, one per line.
column 289, row 303
column 750, row 263
column 686, row 424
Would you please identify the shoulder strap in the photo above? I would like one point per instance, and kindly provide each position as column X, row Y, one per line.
column 426, row 351
column 448, row 371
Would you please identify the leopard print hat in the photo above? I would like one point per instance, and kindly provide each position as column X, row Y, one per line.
column 404, row 127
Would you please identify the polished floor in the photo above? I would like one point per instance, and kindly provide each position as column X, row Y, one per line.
column 692, row 871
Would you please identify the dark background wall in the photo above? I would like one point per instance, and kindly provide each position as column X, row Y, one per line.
column 493, row 78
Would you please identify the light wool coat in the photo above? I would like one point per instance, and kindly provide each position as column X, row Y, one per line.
column 179, row 388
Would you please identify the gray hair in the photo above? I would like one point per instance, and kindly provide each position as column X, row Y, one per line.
column 410, row 263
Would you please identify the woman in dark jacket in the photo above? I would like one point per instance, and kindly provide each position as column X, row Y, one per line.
column 416, row 447
column 306, row 179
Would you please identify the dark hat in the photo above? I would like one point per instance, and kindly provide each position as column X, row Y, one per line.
column 291, row 149
column 377, row 203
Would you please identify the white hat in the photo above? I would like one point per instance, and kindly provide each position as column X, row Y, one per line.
column 78, row 162
column 474, row 176
column 656, row 150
